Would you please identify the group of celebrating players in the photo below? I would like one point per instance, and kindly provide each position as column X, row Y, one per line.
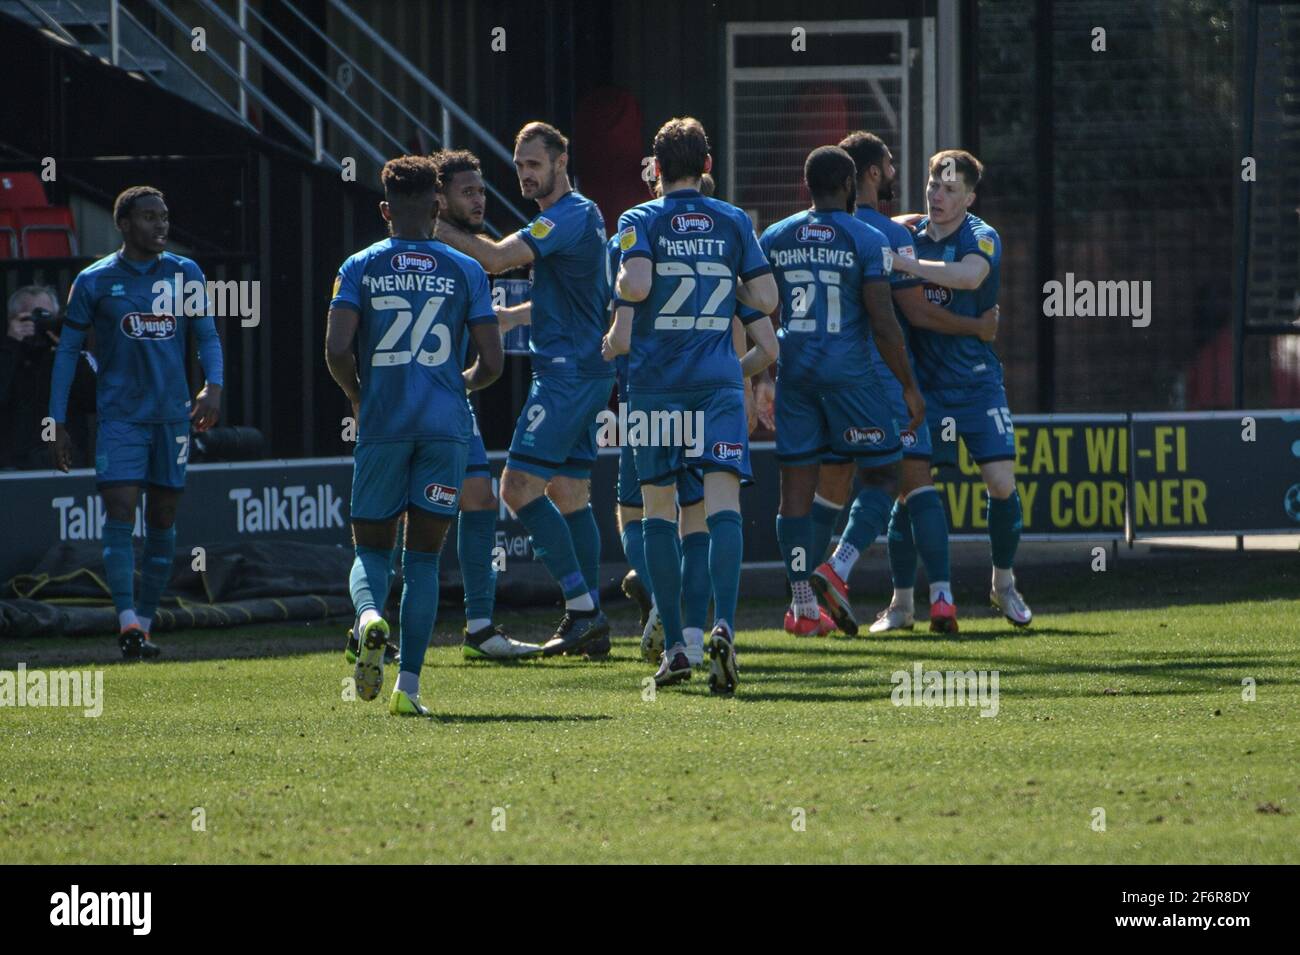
column 681, row 309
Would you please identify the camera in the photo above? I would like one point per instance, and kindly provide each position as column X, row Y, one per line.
column 44, row 321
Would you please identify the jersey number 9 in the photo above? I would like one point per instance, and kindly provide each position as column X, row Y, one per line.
column 385, row 354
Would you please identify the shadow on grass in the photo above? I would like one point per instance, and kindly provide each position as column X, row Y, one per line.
column 517, row 718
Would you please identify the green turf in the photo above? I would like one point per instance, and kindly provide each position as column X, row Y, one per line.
column 1135, row 711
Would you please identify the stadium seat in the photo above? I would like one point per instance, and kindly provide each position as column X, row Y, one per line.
column 21, row 189
column 8, row 235
column 47, row 232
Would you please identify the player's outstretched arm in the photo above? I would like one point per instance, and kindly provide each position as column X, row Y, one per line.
column 967, row 274
column 922, row 313
column 495, row 257
column 512, row 316
column 766, row 349
column 889, row 342
column 760, row 294
column 341, row 329
column 487, row 366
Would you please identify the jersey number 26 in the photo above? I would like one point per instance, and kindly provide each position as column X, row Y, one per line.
column 387, row 352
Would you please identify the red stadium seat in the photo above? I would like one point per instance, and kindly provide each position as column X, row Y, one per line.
column 8, row 235
column 47, row 233
column 21, row 189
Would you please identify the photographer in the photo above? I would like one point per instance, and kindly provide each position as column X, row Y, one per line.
column 26, row 362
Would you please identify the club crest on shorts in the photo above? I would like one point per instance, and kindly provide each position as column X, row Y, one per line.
column 907, row 437
column 863, row 435
column 815, row 232
column 145, row 326
column 728, row 450
column 687, row 223
column 413, row 262
column 440, row 494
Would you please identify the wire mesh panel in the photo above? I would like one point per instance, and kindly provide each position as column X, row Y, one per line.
column 783, row 103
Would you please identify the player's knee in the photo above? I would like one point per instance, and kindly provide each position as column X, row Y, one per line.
column 835, row 482
column 1000, row 479
column 568, row 494
column 476, row 495
column 884, row 478
column 517, row 490
column 425, row 533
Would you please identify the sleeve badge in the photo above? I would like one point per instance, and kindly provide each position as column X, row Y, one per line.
column 986, row 244
column 541, row 227
column 627, row 238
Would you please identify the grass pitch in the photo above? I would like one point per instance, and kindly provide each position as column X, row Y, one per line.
column 1126, row 696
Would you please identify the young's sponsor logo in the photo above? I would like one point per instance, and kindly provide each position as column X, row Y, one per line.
column 937, row 294
column 413, row 262
column 728, row 450
column 907, row 437
column 864, row 435
column 815, row 232
column 142, row 326
column 689, row 223
column 440, row 494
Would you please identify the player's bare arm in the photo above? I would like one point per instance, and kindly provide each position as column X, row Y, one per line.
column 487, row 366
column 888, row 336
column 618, row 340
column 340, row 330
column 967, row 274
column 759, row 293
column 766, row 349
column 922, row 313
column 635, row 279
column 511, row 252
column 512, row 316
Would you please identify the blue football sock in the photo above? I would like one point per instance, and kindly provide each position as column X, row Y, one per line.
column 1005, row 521
column 726, row 551
column 586, row 546
column 663, row 558
column 902, row 548
column 634, row 550
column 868, row 517
column 696, row 584
column 824, row 518
column 156, row 572
column 930, row 531
column 475, row 537
column 553, row 545
column 419, row 607
column 794, row 536
column 372, row 574
column 119, row 563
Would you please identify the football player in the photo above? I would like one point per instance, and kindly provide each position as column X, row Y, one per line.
column 546, row 481
column 686, row 261
column 462, row 200
column 833, row 273
column 407, row 302
column 142, row 397
column 917, row 521
column 958, row 256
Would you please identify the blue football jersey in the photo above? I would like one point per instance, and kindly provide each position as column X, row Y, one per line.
column 698, row 248
column 899, row 237
column 141, row 334
column 821, row 260
column 416, row 299
column 953, row 361
column 570, row 302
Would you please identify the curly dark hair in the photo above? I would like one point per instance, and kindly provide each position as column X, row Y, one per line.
column 125, row 202
column 409, row 176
